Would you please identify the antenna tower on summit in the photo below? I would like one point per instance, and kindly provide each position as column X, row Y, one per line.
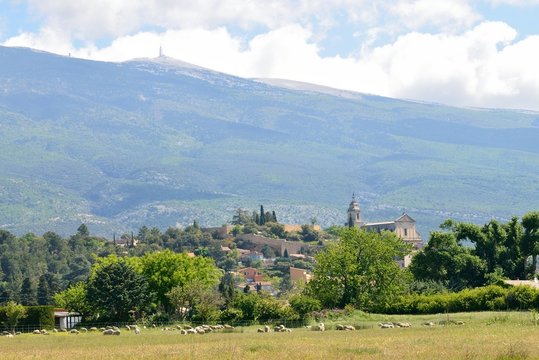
column 161, row 51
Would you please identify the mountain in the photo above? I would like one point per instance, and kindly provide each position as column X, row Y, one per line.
column 162, row 142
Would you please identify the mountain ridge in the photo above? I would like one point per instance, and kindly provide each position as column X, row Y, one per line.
column 121, row 145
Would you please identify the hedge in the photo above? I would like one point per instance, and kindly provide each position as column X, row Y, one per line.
column 38, row 317
column 478, row 299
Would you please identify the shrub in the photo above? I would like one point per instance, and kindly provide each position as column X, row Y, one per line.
column 521, row 298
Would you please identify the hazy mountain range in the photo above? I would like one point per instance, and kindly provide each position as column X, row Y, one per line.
column 161, row 142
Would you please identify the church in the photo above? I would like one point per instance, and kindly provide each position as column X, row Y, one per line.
column 403, row 226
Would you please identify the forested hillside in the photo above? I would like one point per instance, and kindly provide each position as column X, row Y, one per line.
column 160, row 142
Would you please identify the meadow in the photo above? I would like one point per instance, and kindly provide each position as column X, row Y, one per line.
column 487, row 335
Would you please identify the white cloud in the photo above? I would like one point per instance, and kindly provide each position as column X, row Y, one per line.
column 450, row 16
column 515, row 2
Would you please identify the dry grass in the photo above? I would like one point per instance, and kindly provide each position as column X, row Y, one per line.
column 484, row 336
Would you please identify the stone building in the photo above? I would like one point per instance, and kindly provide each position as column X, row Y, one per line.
column 403, row 226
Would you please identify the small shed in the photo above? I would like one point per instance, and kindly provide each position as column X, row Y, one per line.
column 66, row 320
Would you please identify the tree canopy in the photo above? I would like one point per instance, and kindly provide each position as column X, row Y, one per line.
column 359, row 269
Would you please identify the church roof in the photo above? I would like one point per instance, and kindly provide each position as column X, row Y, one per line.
column 380, row 223
column 405, row 218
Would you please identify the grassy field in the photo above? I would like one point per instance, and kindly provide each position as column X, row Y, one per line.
column 483, row 336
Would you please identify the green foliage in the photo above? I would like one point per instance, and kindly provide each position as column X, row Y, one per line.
column 359, row 269
column 75, row 299
column 304, row 305
column 117, row 291
column 39, row 316
column 13, row 313
column 443, row 260
column 522, row 298
column 490, row 297
column 166, row 270
column 196, row 301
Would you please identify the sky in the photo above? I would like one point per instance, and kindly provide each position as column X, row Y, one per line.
column 482, row 53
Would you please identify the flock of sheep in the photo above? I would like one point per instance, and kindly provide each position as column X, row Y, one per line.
column 204, row 329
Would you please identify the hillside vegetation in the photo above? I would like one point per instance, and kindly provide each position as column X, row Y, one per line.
column 160, row 142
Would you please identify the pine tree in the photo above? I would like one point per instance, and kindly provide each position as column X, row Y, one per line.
column 83, row 230
column 28, row 293
column 43, row 291
column 274, row 216
column 285, row 254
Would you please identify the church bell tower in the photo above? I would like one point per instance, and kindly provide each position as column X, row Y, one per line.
column 354, row 214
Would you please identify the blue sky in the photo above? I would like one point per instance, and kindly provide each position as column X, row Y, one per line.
column 479, row 53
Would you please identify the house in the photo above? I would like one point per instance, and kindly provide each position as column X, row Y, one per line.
column 297, row 227
column 251, row 274
column 253, row 256
column 297, row 274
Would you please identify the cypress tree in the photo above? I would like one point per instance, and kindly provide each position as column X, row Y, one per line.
column 274, row 216
column 262, row 215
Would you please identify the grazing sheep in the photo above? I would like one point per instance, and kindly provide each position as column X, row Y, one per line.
column 187, row 327
column 228, row 327
column 108, row 332
column 183, row 332
column 460, row 322
column 63, row 330
column 93, row 329
column 428, row 323
column 349, row 327
column 259, row 330
column 36, row 332
column 266, row 328
column 402, row 325
column 55, row 330
column 319, row 327
column 386, row 325
column 339, row 327
column 178, row 327
column 74, row 331
column 116, row 332
column 281, row 328
column 9, row 336
column 83, row 329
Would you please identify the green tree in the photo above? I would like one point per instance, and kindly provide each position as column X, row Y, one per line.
column 166, row 270
column 197, row 301
column 308, row 233
column 241, row 217
column 530, row 239
column 75, row 299
column 227, row 287
column 83, row 231
column 304, row 305
column 28, row 294
column 277, row 230
column 44, row 295
column 359, row 269
column 117, row 290
column 14, row 312
column 262, row 219
column 443, row 260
